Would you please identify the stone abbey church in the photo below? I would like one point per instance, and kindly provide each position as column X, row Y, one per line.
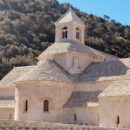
column 71, row 83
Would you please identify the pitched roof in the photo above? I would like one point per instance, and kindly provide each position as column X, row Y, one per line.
column 83, row 99
column 107, row 70
column 72, row 46
column 14, row 75
column 68, row 17
column 48, row 70
column 118, row 88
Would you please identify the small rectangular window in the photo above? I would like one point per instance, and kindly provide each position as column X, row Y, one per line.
column 46, row 106
column 118, row 120
column 26, row 105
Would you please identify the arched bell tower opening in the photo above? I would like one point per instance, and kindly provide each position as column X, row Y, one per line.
column 69, row 28
column 64, row 33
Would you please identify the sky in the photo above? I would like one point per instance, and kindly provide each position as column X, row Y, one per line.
column 119, row 10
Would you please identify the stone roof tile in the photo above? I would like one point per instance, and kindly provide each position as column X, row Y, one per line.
column 68, row 17
column 64, row 47
column 49, row 70
column 118, row 88
column 83, row 99
column 107, row 70
column 14, row 75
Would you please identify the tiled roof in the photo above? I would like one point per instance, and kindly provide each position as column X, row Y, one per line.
column 64, row 47
column 68, row 17
column 100, row 71
column 118, row 88
column 107, row 70
column 49, row 70
column 14, row 75
column 83, row 99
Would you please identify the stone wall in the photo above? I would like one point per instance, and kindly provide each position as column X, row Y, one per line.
column 51, row 91
column 6, row 113
column 41, row 92
column 7, row 92
column 84, row 115
column 21, row 125
column 111, row 108
column 67, row 62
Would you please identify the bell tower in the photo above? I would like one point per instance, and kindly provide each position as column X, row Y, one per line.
column 69, row 28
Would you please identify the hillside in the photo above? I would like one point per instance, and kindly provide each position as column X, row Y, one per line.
column 27, row 29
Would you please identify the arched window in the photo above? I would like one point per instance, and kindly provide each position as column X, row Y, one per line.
column 77, row 33
column 46, row 106
column 26, row 106
column 64, row 33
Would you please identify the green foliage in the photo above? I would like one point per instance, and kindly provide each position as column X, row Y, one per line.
column 1, row 2
column 27, row 28
column 106, row 17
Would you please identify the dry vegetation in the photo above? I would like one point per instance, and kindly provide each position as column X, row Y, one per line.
column 22, row 125
column 27, row 29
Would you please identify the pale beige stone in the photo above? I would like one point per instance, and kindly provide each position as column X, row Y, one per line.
column 81, row 84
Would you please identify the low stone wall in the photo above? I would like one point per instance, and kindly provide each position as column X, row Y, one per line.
column 22, row 125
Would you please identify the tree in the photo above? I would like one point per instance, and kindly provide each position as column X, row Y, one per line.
column 106, row 17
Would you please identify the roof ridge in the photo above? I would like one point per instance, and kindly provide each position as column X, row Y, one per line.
column 60, row 67
column 72, row 46
column 73, row 17
column 62, row 16
column 66, row 72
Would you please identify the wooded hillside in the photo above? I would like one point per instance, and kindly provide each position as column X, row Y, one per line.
column 27, row 29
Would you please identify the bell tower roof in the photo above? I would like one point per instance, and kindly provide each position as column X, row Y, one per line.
column 68, row 17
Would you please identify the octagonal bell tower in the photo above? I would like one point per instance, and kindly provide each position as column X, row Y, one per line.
column 69, row 28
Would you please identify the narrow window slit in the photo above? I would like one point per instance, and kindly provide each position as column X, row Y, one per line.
column 26, row 105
